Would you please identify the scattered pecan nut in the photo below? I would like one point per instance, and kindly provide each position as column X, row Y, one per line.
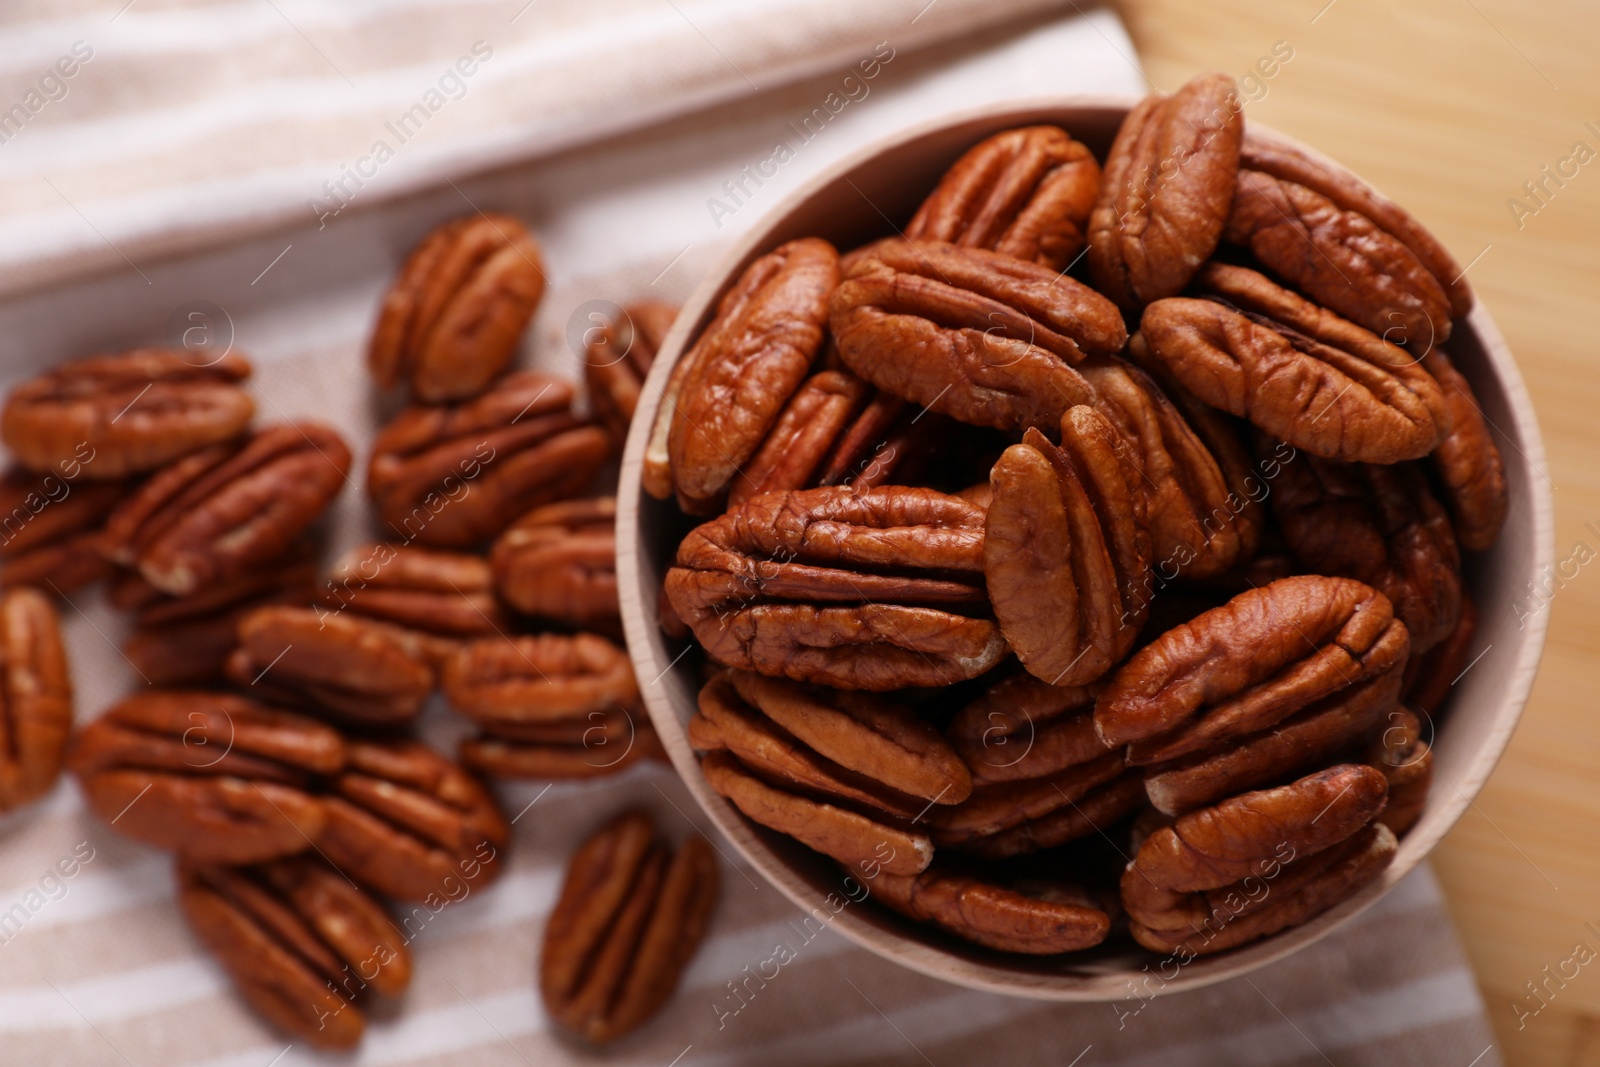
column 617, row 357
column 1468, row 461
column 1067, row 550
column 214, row 777
column 979, row 336
column 559, row 562
column 454, row 476
column 630, row 915
column 411, row 824
column 1033, row 917
column 1378, row 525
column 1025, row 192
column 727, row 391
column 50, row 529
column 446, row 594
column 847, row 836
column 300, row 941
column 506, row 684
column 1248, row 665
column 351, row 669
column 1330, row 235
column 450, row 323
column 35, row 697
column 1297, row 371
column 1405, row 757
column 1169, row 180
column 221, row 512
column 593, row 746
column 878, row 589
column 111, row 416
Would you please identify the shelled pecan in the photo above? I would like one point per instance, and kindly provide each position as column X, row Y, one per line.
column 106, row 417
column 1025, row 192
column 35, row 697
column 453, row 476
column 878, row 589
column 594, row 745
column 218, row 513
column 505, row 684
column 630, row 915
column 1402, row 752
column 299, row 940
column 451, row 321
column 1468, row 461
column 1033, row 917
column 215, row 777
column 618, row 356
column 50, row 529
column 558, row 562
column 445, row 594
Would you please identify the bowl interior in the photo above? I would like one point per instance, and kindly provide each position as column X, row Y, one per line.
column 869, row 196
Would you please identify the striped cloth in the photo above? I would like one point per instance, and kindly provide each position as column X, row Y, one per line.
column 102, row 970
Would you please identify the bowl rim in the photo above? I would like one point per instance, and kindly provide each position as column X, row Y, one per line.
column 645, row 641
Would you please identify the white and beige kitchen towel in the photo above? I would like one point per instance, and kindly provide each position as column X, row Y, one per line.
column 221, row 158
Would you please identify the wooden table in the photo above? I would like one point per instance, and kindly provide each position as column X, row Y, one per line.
column 1450, row 106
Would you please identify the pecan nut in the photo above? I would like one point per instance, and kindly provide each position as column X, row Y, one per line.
column 218, row 513
column 299, row 940
column 1405, row 757
column 728, row 389
column 1468, row 461
column 411, row 824
column 455, row 476
column 50, row 529
column 351, row 669
column 559, row 562
column 215, row 777
column 593, row 746
column 984, row 338
column 112, row 416
column 451, row 321
column 1430, row 676
column 630, row 915
column 878, row 589
column 1025, row 192
column 1033, row 917
column 1067, row 550
column 1204, row 507
column 847, row 836
column 506, row 684
column 1042, row 807
column 1248, row 665
column 446, row 594
column 36, row 699
column 1302, row 374
column 1258, row 862
column 1025, row 728
column 1334, row 238
column 1381, row 526
column 617, row 358
column 1168, row 184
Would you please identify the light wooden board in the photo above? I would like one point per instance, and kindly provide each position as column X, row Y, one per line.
column 1450, row 106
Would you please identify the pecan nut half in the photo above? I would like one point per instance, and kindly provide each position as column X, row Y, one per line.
column 117, row 415
column 597, row 744
column 411, row 824
column 617, row 358
column 1468, row 461
column 451, row 321
column 446, row 594
column 217, row 514
column 727, row 391
column 453, row 476
column 1066, row 550
column 347, row 668
column 35, row 697
column 1047, row 805
column 1431, row 676
column 50, row 528
column 984, row 338
column 300, row 942
column 1248, row 665
column 215, row 777
column 1025, row 192
column 1334, row 238
column 1381, row 526
column 630, row 915
column 1168, row 183
column 878, row 589
column 1297, row 371
column 1405, row 757
column 559, row 562
column 1032, row 917
column 847, row 836
column 506, row 684
column 1026, row 728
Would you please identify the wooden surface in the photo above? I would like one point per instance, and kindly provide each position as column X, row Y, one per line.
column 1450, row 106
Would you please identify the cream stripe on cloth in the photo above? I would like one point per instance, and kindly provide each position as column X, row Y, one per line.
column 103, row 970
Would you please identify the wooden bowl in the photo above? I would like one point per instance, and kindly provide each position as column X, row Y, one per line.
column 865, row 197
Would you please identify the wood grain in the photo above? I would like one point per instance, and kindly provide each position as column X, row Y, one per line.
column 1450, row 106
